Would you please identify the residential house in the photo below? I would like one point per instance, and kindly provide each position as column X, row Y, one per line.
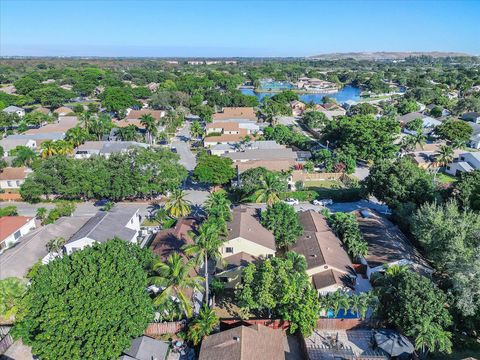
column 387, row 245
column 134, row 117
column 466, row 162
column 67, row 87
column 246, row 242
column 8, row 144
column 53, row 131
column 236, row 113
column 146, row 348
column 472, row 116
column 105, row 148
column 475, row 138
column 232, row 127
column 297, row 107
column 12, row 228
column 256, row 342
column 14, row 110
column 195, row 62
column 10, row 89
column 328, row 263
column 444, row 113
column 429, row 123
column 223, row 139
column 121, row 221
column 42, row 110
column 13, row 177
column 153, row 86
column 63, row 111
column 331, row 110
column 260, row 144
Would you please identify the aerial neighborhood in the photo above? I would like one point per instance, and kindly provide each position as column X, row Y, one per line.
column 240, row 208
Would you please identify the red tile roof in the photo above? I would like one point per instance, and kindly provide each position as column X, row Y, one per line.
column 10, row 224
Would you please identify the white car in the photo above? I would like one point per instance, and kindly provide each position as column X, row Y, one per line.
column 292, row 202
column 322, row 202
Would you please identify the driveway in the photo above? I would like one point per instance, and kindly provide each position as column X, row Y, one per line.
column 16, row 261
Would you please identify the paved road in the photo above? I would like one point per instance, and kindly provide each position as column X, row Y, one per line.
column 181, row 144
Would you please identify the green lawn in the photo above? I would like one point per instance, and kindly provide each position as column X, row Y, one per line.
column 326, row 184
column 445, row 178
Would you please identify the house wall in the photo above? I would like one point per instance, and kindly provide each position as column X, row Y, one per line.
column 78, row 245
column 469, row 158
column 330, row 289
column 88, row 154
column 134, row 224
column 11, row 184
column 234, row 277
column 13, row 238
column 240, row 244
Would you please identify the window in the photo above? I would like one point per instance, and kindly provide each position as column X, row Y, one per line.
column 17, row 234
column 229, row 249
column 9, row 183
column 269, row 256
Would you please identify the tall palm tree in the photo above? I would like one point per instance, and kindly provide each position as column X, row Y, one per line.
column 47, row 149
column 127, row 133
column 24, row 156
column 62, row 147
column 150, row 125
column 206, row 247
column 76, row 136
column 299, row 262
column 174, row 279
column 196, row 129
column 177, row 205
column 203, row 325
column 431, row 337
column 217, row 206
column 445, row 155
column 86, row 119
column 270, row 190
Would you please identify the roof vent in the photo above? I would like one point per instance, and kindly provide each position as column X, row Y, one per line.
column 236, row 338
column 313, row 255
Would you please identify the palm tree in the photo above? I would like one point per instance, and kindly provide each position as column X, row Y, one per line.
column 41, row 214
column 203, row 325
column 196, row 129
column 55, row 245
column 431, row 337
column 174, row 279
column 217, row 206
column 127, row 133
column 86, row 118
column 150, row 125
column 47, row 149
column 62, row 147
column 76, row 136
column 176, row 204
column 457, row 144
column 299, row 262
column 270, row 189
column 445, row 155
column 206, row 246
column 24, row 156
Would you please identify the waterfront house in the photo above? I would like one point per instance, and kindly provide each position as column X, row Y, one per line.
column 12, row 228
column 331, row 110
column 14, row 110
column 297, row 107
column 328, row 263
column 121, row 221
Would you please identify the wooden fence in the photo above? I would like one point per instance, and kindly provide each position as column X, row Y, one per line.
column 341, row 324
column 271, row 323
column 161, row 328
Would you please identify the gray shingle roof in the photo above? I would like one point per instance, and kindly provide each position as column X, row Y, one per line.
column 106, row 225
column 12, row 109
column 146, row 348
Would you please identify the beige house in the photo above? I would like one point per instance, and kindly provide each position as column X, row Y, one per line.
column 328, row 263
column 247, row 241
column 236, row 113
column 13, row 177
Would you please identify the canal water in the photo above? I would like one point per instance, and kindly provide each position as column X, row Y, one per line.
column 346, row 93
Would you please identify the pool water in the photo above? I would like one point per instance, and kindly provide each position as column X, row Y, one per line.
column 342, row 314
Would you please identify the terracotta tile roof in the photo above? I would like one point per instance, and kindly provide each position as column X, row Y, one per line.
column 136, row 114
column 171, row 240
column 10, row 224
column 62, row 125
column 126, row 122
column 227, row 138
column 236, row 113
column 13, row 173
column 245, row 224
column 272, row 165
column 255, row 342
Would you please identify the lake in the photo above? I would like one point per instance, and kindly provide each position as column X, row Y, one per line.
column 346, row 93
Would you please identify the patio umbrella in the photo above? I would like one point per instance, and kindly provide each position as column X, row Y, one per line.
column 393, row 343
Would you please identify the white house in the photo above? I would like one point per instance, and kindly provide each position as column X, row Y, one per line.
column 13, row 178
column 121, row 222
column 14, row 110
column 105, row 148
column 472, row 116
column 12, row 228
column 9, row 144
column 458, row 167
column 472, row 158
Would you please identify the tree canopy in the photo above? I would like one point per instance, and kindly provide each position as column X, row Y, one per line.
column 213, row 169
column 282, row 220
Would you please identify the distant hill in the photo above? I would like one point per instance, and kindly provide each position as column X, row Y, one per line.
column 384, row 55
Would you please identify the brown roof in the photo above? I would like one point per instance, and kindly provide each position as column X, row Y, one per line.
column 231, row 138
column 246, row 225
column 63, row 124
column 226, row 126
column 238, row 259
column 171, row 240
column 63, row 109
column 10, row 224
column 236, row 113
column 126, row 122
column 319, row 244
column 42, row 110
column 136, row 114
column 255, row 342
column 13, row 173
column 328, row 278
column 386, row 242
column 272, row 165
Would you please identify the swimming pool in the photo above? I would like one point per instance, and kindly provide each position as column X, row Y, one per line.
column 342, row 314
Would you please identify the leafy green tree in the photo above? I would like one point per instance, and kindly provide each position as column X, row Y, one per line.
column 467, row 190
column 362, row 109
column 407, row 106
column 24, row 156
column 26, row 85
column 282, row 220
column 274, row 287
column 409, row 301
column 107, row 280
column 10, row 210
column 314, row 119
column 12, row 291
column 51, row 95
column 415, row 125
column 270, row 189
column 346, row 227
column 445, row 155
column 127, row 133
column 202, row 325
column 206, row 247
column 454, row 130
column 77, row 136
column 174, row 279
column 215, row 170
column 177, row 205
column 117, row 99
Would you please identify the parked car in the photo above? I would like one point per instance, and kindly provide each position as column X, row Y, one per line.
column 174, row 150
column 322, row 202
column 292, row 202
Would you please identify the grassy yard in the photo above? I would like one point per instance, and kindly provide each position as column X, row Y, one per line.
column 445, row 178
column 326, row 184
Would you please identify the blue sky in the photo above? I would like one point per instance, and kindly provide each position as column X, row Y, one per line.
column 235, row 28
